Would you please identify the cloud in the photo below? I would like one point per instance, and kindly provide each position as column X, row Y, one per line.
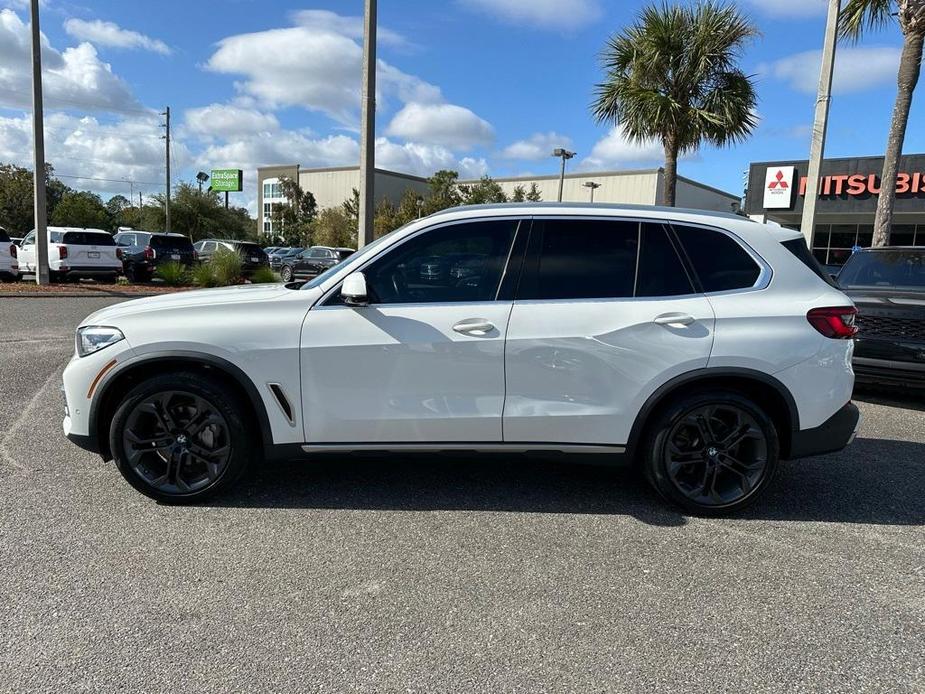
column 352, row 27
column 75, row 78
column 228, row 121
column 441, row 124
column 538, row 146
column 102, row 33
column 312, row 66
column 563, row 15
column 615, row 151
column 789, row 8
column 424, row 159
column 856, row 69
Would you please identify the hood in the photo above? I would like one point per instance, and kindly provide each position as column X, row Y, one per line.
column 194, row 298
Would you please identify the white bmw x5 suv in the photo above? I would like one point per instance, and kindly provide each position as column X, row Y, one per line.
column 705, row 347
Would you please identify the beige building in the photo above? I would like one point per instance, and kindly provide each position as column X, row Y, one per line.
column 331, row 186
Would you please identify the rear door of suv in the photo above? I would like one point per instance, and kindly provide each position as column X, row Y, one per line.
column 605, row 312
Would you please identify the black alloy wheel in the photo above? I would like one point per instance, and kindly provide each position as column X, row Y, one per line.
column 180, row 438
column 712, row 453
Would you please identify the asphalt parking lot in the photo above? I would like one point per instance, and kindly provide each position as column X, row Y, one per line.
column 447, row 574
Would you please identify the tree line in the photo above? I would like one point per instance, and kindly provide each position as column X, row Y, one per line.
column 197, row 214
column 301, row 223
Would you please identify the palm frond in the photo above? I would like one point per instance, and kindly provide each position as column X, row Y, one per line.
column 858, row 16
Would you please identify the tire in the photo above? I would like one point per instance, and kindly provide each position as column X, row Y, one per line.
column 689, row 458
column 286, row 273
column 55, row 277
column 190, row 421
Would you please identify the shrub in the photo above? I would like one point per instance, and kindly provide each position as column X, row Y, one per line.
column 264, row 275
column 204, row 276
column 226, row 266
column 172, row 273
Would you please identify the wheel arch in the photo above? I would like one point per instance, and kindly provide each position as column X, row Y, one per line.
column 764, row 389
column 122, row 380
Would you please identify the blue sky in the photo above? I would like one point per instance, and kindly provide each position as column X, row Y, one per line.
column 484, row 86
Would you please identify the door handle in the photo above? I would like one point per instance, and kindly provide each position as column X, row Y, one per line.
column 474, row 326
column 673, row 319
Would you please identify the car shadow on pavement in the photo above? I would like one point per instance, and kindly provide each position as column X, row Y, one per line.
column 911, row 399
column 874, row 481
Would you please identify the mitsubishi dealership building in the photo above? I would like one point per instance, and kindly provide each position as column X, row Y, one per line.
column 847, row 204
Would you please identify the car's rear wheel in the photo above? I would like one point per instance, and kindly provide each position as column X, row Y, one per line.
column 180, row 438
column 286, row 273
column 711, row 453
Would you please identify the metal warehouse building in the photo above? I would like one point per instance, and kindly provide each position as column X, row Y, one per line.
column 331, row 186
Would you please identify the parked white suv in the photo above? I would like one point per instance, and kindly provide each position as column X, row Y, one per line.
column 9, row 263
column 74, row 253
column 704, row 346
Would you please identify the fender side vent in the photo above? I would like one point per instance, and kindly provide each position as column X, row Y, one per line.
column 282, row 401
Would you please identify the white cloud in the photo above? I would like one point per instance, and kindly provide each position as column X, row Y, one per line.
column 790, row 8
column 441, row 124
column 351, row 27
column 229, row 121
column 538, row 146
column 103, row 33
column 857, row 68
column 314, row 67
column 615, row 151
column 423, row 159
column 75, row 78
column 564, row 15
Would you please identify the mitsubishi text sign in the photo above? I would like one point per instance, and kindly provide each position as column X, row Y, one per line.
column 778, row 187
column 227, row 180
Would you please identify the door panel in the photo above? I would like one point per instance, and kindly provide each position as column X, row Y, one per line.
column 401, row 373
column 578, row 371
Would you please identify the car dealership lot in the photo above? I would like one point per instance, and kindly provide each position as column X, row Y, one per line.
column 448, row 573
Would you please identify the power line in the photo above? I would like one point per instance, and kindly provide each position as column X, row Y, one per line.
column 106, row 180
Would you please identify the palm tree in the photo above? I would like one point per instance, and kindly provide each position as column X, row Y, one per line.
column 856, row 17
column 673, row 76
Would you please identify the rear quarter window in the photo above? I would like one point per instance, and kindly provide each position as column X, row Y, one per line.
column 720, row 263
column 799, row 248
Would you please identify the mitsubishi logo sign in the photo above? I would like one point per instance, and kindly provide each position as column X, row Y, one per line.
column 778, row 187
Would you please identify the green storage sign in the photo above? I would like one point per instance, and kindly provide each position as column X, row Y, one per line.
column 227, row 180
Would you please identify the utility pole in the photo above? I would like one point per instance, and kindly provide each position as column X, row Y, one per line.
column 564, row 154
column 38, row 139
column 820, row 123
column 368, row 128
column 167, row 155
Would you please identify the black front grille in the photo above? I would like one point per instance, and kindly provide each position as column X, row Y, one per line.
column 890, row 327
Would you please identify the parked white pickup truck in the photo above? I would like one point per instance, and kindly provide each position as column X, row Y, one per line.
column 9, row 265
column 74, row 253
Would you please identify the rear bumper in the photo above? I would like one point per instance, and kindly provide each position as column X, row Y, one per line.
column 90, row 271
column 830, row 436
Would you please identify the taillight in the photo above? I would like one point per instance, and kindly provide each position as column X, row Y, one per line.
column 149, row 253
column 118, row 254
column 837, row 322
column 195, row 254
column 62, row 252
column 12, row 250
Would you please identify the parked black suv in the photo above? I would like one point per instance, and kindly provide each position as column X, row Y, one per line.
column 888, row 287
column 312, row 262
column 144, row 251
column 252, row 255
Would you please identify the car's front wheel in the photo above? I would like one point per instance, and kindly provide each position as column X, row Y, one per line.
column 286, row 273
column 711, row 453
column 182, row 437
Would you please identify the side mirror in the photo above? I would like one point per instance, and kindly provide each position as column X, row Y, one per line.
column 354, row 290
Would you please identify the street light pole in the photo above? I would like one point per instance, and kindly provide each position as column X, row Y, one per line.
column 564, row 154
column 38, row 140
column 820, row 123
column 368, row 128
column 593, row 186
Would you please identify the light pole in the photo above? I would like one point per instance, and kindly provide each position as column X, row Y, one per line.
column 368, row 128
column 563, row 154
column 820, row 123
column 202, row 177
column 38, row 139
column 593, row 186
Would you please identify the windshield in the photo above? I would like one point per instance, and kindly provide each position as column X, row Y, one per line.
column 351, row 262
column 902, row 269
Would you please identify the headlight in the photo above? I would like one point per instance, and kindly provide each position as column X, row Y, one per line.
column 93, row 338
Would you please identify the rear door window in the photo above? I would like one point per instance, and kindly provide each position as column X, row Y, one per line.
column 661, row 272
column 720, row 263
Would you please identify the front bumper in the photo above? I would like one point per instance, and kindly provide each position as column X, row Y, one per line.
column 832, row 435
